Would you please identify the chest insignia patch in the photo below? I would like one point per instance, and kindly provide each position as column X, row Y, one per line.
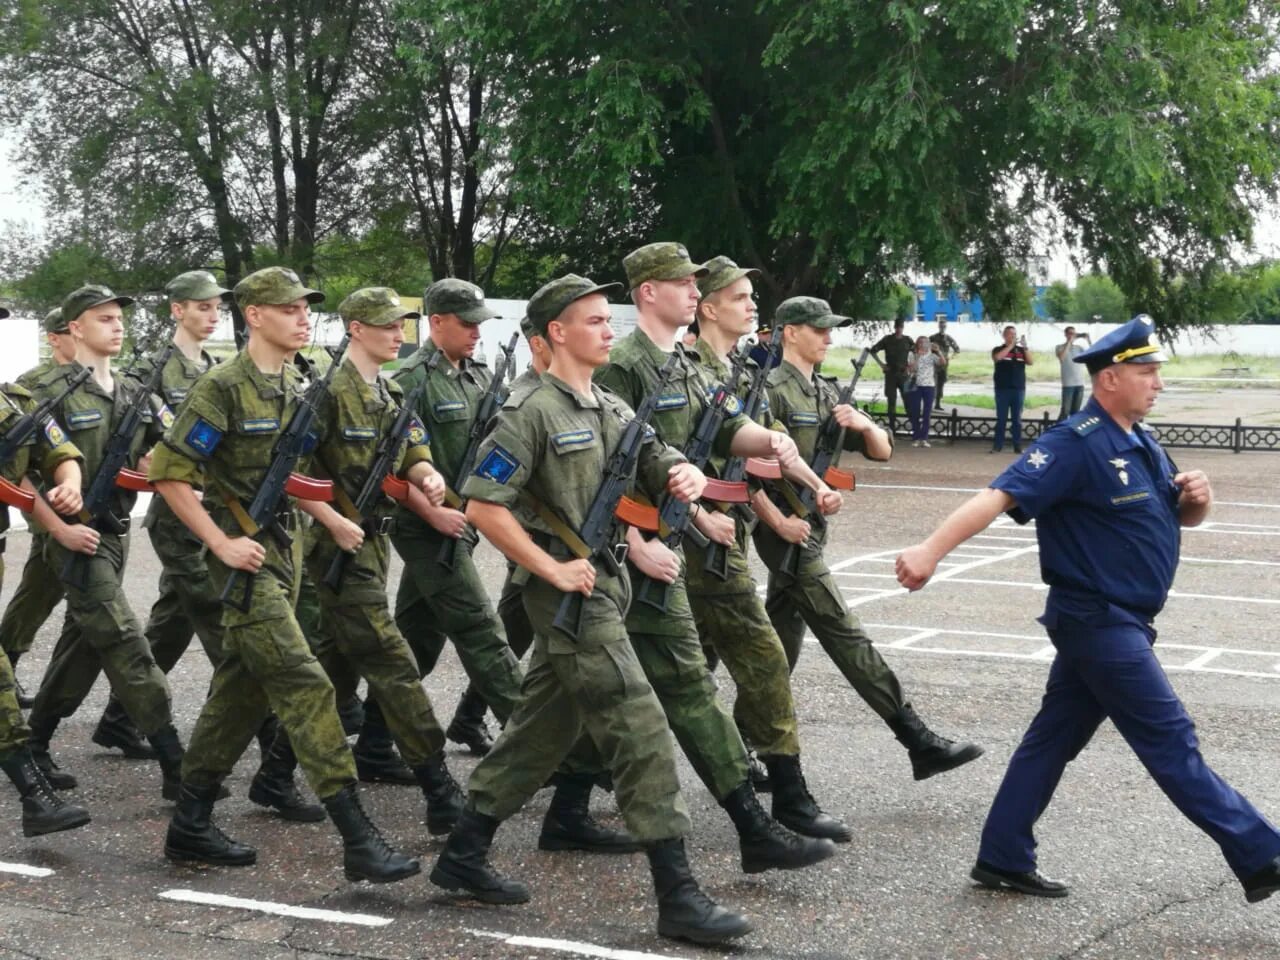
column 203, row 437
column 1120, row 463
column 359, row 433
column 572, row 439
column 1037, row 459
column 498, row 466
column 83, row 418
column 264, row 425
column 802, row 420
column 177, row 394
column 671, row 401
column 448, row 406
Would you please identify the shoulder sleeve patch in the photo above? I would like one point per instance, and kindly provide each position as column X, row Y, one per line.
column 166, row 416
column 732, row 405
column 203, row 437
column 417, row 433
column 498, row 466
column 53, row 433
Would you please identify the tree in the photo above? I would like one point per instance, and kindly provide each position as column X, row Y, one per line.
column 1057, row 301
column 1006, row 296
column 1097, row 298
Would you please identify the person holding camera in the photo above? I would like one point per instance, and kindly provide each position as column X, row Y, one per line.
column 925, row 368
column 1072, row 372
column 1011, row 360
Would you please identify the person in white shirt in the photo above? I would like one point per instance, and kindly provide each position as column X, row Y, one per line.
column 1072, row 373
column 924, row 367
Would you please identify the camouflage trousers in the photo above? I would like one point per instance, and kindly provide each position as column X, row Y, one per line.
column 38, row 593
column 731, row 619
column 358, row 623
column 595, row 686
column 101, row 634
column 812, row 599
column 434, row 604
column 14, row 731
column 188, row 605
column 268, row 667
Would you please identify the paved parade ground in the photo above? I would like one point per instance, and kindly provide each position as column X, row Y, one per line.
column 1145, row 883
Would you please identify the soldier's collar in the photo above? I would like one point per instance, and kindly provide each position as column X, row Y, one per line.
column 650, row 349
column 269, row 385
column 787, row 369
column 585, row 403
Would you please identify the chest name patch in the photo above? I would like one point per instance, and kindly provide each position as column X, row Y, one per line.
column 572, row 439
column 671, row 401
column 83, row 418
column 177, row 394
column 498, row 466
column 359, row 433
column 263, row 425
column 802, row 420
column 203, row 437
column 449, row 406
column 1131, row 498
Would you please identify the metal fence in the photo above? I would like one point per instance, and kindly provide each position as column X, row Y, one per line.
column 1238, row 437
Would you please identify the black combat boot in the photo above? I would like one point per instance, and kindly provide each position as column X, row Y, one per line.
column 376, row 758
column 765, row 844
column 169, row 753
column 273, row 785
column 684, row 911
column 794, row 806
column 25, row 700
column 366, row 855
column 569, row 825
column 193, row 836
column 464, row 865
column 115, row 729
column 929, row 753
column 445, row 798
column 42, row 729
column 43, row 811
column 467, row 726
column 758, row 773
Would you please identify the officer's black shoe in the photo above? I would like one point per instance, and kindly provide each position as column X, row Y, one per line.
column 1033, row 883
column 794, row 806
column 929, row 753
column 464, row 866
column 43, row 811
column 1258, row 886
column 273, row 785
column 351, row 713
column 169, row 753
column 42, row 729
column 194, row 838
column 366, row 855
column 468, row 727
column 375, row 754
column 758, row 773
column 684, row 911
column 766, row 845
column 116, row 730
column 445, row 798
column 568, row 824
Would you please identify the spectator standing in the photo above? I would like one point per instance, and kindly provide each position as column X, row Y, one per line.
column 947, row 346
column 897, row 347
column 924, row 367
column 1011, row 360
column 1072, row 372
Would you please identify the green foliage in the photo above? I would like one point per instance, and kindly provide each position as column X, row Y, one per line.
column 1006, row 295
column 1057, row 301
column 1097, row 295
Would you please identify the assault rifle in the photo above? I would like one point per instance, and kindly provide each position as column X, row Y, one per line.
column 263, row 514
column 113, row 469
column 379, row 481
column 675, row 516
column 592, row 542
column 20, row 432
column 486, row 409
column 826, row 456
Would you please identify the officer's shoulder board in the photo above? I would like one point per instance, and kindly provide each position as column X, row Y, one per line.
column 1087, row 425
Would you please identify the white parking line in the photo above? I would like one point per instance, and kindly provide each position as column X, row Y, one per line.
column 1037, row 585
column 23, row 870
column 573, row 946
column 277, row 909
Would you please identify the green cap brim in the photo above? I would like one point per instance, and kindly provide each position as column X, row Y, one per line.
column 475, row 315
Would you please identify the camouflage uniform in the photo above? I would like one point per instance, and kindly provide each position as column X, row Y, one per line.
column 222, row 441
column 948, row 347
column 433, row 603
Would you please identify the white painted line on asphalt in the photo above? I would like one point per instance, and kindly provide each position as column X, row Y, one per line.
column 912, row 638
column 1248, row 563
column 949, row 574
column 572, row 946
column 1241, row 503
column 1235, row 529
column 1196, row 662
column 277, row 909
column 1036, row 585
column 23, row 870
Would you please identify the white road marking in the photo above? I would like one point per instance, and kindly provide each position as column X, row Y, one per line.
column 1037, row 585
column 23, row 870
column 277, row 909
column 572, row 946
column 949, row 574
column 1249, row 563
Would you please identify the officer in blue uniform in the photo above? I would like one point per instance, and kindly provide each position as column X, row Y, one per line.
column 1108, row 505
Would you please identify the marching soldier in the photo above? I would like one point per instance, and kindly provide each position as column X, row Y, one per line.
column 802, row 399
column 222, row 441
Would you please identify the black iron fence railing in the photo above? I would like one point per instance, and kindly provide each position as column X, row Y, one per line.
column 1238, row 437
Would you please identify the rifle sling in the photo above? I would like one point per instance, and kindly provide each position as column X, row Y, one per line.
column 577, row 546
column 241, row 515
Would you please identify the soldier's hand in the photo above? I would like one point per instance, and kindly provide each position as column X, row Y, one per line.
column 450, row 522
column 78, row 538
column 1195, row 487
column 433, row 488
column 784, row 448
column 144, row 462
column 347, row 535
column 718, row 527
column 686, row 482
column 574, row 576
column 794, row 529
column 829, row 501
column 656, row 560
column 241, row 553
column 65, row 499
column 914, row 566
column 851, row 419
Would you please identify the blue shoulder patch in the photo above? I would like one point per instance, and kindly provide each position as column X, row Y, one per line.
column 498, row 466
column 310, row 441
column 204, row 437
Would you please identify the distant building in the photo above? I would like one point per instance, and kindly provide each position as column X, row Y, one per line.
column 956, row 304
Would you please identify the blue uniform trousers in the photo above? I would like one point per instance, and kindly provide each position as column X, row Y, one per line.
column 1111, row 672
